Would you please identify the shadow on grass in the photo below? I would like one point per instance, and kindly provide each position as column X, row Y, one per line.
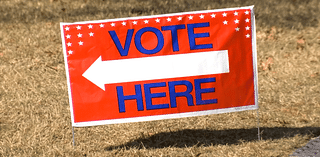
column 201, row 137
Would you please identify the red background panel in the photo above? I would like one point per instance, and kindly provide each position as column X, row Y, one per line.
column 233, row 89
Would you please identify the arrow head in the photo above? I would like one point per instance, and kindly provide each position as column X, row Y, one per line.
column 94, row 74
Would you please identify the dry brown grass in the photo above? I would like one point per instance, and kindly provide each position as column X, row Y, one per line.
column 34, row 109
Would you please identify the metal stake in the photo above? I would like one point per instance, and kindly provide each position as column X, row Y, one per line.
column 73, row 142
column 258, row 125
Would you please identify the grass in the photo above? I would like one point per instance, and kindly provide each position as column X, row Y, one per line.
column 34, row 108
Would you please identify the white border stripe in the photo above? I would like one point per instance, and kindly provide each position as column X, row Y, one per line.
column 162, row 15
column 254, row 56
column 167, row 116
column 67, row 73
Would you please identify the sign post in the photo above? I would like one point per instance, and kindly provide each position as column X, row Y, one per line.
column 159, row 67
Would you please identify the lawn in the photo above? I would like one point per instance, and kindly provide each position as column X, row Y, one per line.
column 34, row 107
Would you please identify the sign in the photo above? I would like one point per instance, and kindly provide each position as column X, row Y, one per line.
column 159, row 67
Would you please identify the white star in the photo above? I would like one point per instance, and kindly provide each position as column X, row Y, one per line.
column 247, row 28
column 236, row 21
column 225, row 22
column 190, row 17
column 237, row 29
column 169, row 19
column 247, row 20
column 67, row 28
column 80, row 43
column 235, row 13
column 101, row 25
column 79, row 35
column 213, row 15
column 78, row 27
column 248, row 35
column 70, row 51
column 246, row 12
column 134, row 22
column 68, row 36
column 146, row 21
column 113, row 24
column 90, row 26
column 91, row 34
column 224, row 14
column 201, row 16
column 179, row 18
column 124, row 23
column 69, row 44
column 157, row 20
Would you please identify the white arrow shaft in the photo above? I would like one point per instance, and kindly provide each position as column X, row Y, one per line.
column 160, row 67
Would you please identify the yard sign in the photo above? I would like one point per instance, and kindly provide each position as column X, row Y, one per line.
column 159, row 67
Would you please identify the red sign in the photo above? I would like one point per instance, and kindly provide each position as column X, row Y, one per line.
column 159, row 67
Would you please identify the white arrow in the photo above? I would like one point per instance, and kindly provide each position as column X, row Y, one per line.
column 158, row 67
